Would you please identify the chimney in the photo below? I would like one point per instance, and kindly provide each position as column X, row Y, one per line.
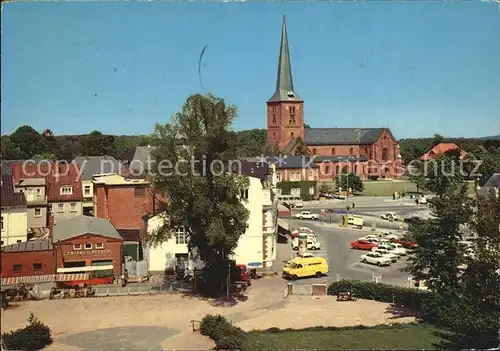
column 51, row 226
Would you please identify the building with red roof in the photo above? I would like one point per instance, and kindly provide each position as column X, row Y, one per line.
column 440, row 149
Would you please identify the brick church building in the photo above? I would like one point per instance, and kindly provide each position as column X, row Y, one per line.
column 366, row 151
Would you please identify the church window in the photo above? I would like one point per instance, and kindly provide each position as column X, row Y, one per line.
column 292, row 134
column 273, row 112
column 385, row 154
column 351, row 151
column 314, row 151
column 292, row 115
column 327, row 170
column 274, row 136
column 356, row 169
column 333, row 151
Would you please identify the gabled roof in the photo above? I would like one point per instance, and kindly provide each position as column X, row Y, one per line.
column 291, row 161
column 29, row 246
column 440, row 149
column 343, row 136
column 258, row 170
column 141, row 156
column 284, row 82
column 6, row 165
column 8, row 197
column 96, row 165
column 81, row 225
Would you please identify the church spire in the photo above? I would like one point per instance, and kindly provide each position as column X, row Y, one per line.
column 284, row 82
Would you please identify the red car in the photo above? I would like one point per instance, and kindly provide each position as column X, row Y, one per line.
column 363, row 245
column 406, row 243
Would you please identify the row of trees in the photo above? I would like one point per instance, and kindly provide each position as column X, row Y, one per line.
column 469, row 303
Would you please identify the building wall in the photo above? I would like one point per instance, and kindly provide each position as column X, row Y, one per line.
column 27, row 260
column 34, row 220
column 121, row 205
column 249, row 249
column 67, row 212
column 89, row 186
column 281, row 131
column 297, row 174
column 111, row 250
column 15, row 225
column 250, row 244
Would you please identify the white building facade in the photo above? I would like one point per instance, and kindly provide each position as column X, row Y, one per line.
column 256, row 247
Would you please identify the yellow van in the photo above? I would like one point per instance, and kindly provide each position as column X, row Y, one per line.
column 305, row 267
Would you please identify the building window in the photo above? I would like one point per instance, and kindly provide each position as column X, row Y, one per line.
column 66, row 190
column 244, row 194
column 88, row 246
column 366, row 150
column 38, row 212
column 99, row 246
column 311, row 176
column 1, row 223
column 327, row 170
column 274, row 136
column 273, row 112
column 351, row 151
column 292, row 114
column 333, row 151
column 356, row 169
column 38, row 192
column 17, row 268
column 77, row 246
column 19, row 241
column 292, row 135
column 72, row 207
column 297, row 176
column 37, row 266
column 60, row 207
column 385, row 154
column 87, row 190
column 278, row 177
column 139, row 191
column 314, row 151
column 2, row 243
column 180, row 236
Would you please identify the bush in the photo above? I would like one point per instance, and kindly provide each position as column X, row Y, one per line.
column 35, row 336
column 225, row 335
column 423, row 301
column 373, row 177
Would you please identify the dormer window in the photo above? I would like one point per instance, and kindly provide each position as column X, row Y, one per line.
column 292, row 114
column 291, row 95
column 66, row 190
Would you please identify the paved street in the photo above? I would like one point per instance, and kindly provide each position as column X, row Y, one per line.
column 343, row 261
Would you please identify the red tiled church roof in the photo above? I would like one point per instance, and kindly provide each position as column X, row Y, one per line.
column 440, row 149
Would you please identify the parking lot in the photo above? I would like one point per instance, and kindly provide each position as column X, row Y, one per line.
column 344, row 262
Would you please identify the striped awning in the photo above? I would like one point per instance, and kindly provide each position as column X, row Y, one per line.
column 46, row 278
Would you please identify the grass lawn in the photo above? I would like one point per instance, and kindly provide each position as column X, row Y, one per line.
column 386, row 187
column 406, row 337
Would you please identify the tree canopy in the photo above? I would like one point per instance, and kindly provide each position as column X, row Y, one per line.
column 193, row 157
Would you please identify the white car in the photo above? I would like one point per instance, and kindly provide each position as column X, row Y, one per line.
column 375, row 258
column 398, row 249
column 307, row 215
column 313, row 245
column 386, row 253
column 372, row 240
column 306, row 254
column 305, row 230
column 390, row 216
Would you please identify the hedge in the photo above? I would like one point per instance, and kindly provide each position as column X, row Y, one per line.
column 225, row 335
column 425, row 302
column 33, row 337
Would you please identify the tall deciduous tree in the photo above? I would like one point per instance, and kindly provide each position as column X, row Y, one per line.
column 193, row 152
column 28, row 141
column 53, row 147
column 9, row 150
column 443, row 174
column 98, row 144
column 348, row 181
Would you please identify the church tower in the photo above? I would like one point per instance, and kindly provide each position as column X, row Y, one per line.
column 285, row 109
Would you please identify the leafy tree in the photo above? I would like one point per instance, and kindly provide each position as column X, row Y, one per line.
column 350, row 181
column 443, row 174
column 325, row 188
column 28, row 141
column 250, row 142
column 436, row 139
column 417, row 176
column 45, row 156
column 202, row 196
column 272, row 150
column 98, row 144
column 53, row 147
column 306, row 126
column 301, row 148
column 9, row 150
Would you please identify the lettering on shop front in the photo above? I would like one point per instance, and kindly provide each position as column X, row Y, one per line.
column 87, row 252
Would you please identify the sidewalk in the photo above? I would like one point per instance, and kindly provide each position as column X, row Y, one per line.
column 284, row 252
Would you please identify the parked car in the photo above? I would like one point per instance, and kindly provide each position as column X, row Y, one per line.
column 398, row 249
column 363, row 245
column 386, row 253
column 389, row 216
column 313, row 245
column 307, row 215
column 356, row 221
column 375, row 258
column 305, row 230
column 422, row 200
column 305, row 255
column 414, row 218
